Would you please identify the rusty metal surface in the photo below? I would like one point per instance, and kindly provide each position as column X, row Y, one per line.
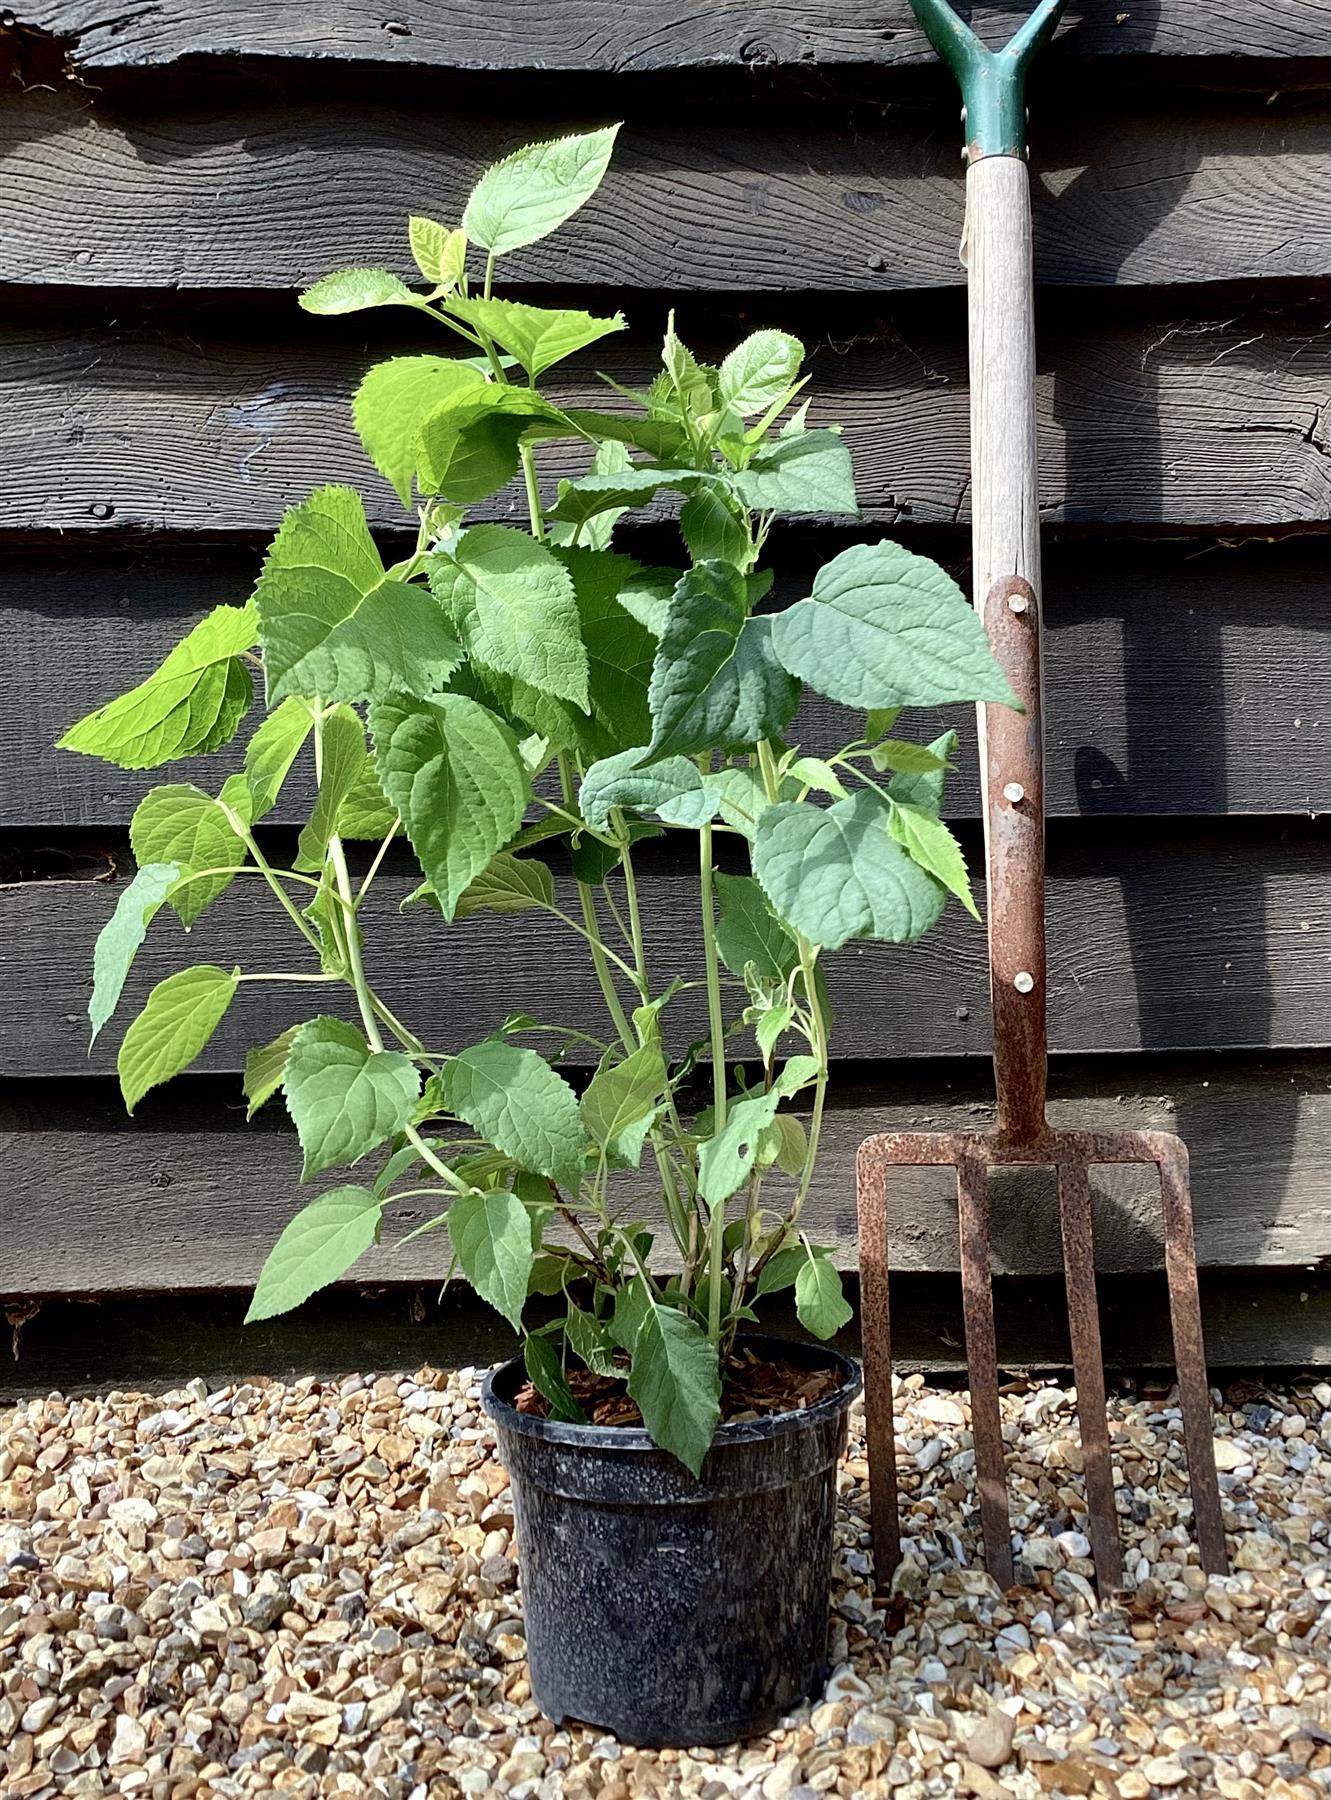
column 977, row 1295
column 876, row 1339
column 1014, row 825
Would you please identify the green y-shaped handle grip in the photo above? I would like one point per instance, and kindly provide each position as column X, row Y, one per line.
column 992, row 82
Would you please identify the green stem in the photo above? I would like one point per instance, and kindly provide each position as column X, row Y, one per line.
column 269, row 874
column 283, row 977
column 533, row 491
column 591, row 929
column 715, row 1021
column 379, row 856
column 717, row 1033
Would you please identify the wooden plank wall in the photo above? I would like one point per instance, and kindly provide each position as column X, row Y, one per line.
column 172, row 176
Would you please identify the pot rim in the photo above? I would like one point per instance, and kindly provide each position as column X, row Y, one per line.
column 635, row 1440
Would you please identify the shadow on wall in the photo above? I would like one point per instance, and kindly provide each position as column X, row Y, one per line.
column 1103, row 787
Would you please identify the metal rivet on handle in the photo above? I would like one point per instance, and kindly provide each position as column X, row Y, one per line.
column 1023, row 981
column 1017, row 603
column 1014, row 792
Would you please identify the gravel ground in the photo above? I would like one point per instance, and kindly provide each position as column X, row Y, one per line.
column 309, row 1589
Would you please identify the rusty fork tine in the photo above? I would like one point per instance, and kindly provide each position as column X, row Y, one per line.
column 1189, row 1354
column 1074, row 1209
column 977, row 1293
column 884, row 1514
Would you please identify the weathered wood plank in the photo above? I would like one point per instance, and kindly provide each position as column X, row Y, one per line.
column 1159, row 939
column 1161, row 673
column 1265, row 1320
column 638, row 34
column 183, row 1197
column 271, row 198
column 1186, row 423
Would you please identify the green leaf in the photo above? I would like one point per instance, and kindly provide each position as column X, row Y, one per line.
column 781, row 1269
column 694, row 387
column 620, row 649
column 814, row 772
column 793, row 1146
column 548, row 1274
column 365, row 812
column 513, row 602
column 272, row 750
column 925, row 791
column 726, row 1159
column 885, row 627
column 468, row 446
column 193, row 701
column 181, row 824
column 769, row 1028
column 879, row 720
column 587, row 1338
column 759, row 371
column 713, row 527
column 528, row 195
column 517, row 1102
column 621, row 1102
column 344, row 1098
column 610, row 458
column 353, row 290
column 454, row 773
column 809, row 472
column 440, row 254
column 928, row 842
column 119, row 939
column 820, row 1305
column 905, row 758
column 508, row 884
column 673, row 789
column 538, row 336
column 837, row 874
column 264, row 1069
column 741, row 798
column 635, row 486
column 344, row 756
column 716, row 684
column 182, row 1013
column 748, row 931
column 332, row 623
column 491, row 1236
column 393, row 402
column 320, row 1245
column 546, row 1375
column 675, row 1378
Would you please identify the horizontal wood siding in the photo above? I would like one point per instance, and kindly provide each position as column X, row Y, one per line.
column 628, row 35
column 272, row 198
column 1157, row 941
column 174, row 174
column 1152, row 653
column 1190, row 423
column 191, row 1198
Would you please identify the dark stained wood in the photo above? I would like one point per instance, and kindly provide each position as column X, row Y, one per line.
column 1159, row 939
column 188, row 1196
column 637, row 34
column 1169, row 691
column 1186, row 423
column 272, row 198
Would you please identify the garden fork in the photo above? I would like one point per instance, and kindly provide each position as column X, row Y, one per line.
column 1006, row 554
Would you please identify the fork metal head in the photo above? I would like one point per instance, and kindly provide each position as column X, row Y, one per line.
column 1071, row 1154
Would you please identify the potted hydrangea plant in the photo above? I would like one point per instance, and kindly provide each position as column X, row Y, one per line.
column 517, row 710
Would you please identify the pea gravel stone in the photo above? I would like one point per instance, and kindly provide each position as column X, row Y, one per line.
column 310, row 1589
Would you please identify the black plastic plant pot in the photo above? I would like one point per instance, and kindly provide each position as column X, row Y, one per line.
column 670, row 1611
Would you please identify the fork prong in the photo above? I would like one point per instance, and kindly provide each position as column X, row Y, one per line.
column 977, row 1293
column 1190, row 1355
column 1074, row 1209
column 876, row 1344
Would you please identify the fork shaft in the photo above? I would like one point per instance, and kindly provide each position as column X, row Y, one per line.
column 1005, row 533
